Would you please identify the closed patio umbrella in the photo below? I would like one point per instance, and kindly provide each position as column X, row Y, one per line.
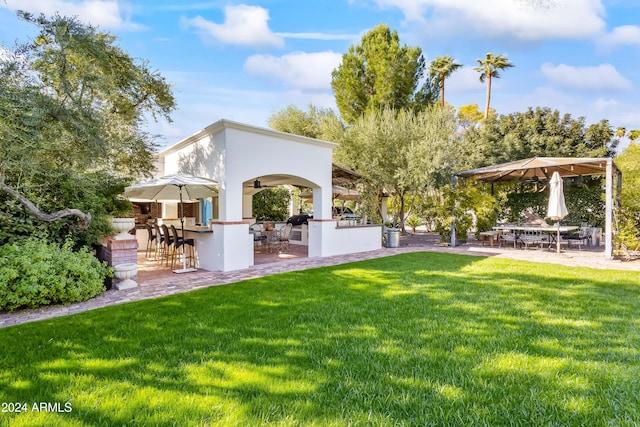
column 557, row 208
column 174, row 187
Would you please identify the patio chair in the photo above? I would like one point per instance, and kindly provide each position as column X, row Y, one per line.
column 533, row 238
column 160, row 243
column 259, row 238
column 579, row 237
column 282, row 238
column 179, row 249
column 508, row 238
column 151, row 241
column 168, row 247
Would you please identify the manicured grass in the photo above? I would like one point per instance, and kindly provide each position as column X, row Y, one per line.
column 418, row 339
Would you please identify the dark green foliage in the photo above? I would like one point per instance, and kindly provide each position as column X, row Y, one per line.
column 97, row 193
column 380, row 73
column 272, row 204
column 538, row 132
column 585, row 203
column 72, row 108
column 34, row 273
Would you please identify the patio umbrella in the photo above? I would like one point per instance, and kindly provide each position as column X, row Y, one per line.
column 557, row 209
column 174, row 187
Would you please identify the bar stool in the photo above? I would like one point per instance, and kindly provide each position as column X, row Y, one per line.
column 151, row 242
column 169, row 247
column 180, row 242
column 159, row 243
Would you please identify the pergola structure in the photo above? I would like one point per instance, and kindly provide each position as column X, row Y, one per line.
column 541, row 168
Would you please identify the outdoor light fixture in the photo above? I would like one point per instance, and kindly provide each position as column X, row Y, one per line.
column 256, row 183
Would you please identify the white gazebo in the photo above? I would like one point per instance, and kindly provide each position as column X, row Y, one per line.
column 243, row 159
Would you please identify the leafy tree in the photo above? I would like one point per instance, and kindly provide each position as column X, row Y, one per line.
column 72, row 107
column 470, row 116
column 627, row 217
column 440, row 69
column 320, row 123
column 629, row 164
column 535, row 132
column 380, row 73
column 271, row 204
column 489, row 68
column 402, row 152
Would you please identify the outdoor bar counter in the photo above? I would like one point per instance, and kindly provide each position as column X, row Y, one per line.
column 203, row 239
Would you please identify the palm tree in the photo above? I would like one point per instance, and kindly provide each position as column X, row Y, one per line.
column 488, row 69
column 441, row 68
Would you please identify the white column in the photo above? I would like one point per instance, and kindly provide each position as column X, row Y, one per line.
column 247, row 206
column 322, row 202
column 232, row 246
column 230, row 199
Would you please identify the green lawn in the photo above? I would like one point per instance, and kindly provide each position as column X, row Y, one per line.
column 417, row 339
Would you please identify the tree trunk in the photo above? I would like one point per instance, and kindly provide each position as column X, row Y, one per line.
column 401, row 214
column 486, row 108
column 83, row 219
column 379, row 205
column 442, row 91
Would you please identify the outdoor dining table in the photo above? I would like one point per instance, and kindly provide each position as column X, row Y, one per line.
column 518, row 230
column 268, row 237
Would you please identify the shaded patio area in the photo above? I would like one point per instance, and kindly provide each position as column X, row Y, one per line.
column 150, row 270
column 537, row 169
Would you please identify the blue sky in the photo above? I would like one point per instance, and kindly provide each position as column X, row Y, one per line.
column 245, row 60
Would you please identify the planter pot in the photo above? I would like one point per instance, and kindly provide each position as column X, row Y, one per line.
column 122, row 226
column 125, row 273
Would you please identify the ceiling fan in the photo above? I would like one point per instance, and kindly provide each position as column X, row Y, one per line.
column 257, row 184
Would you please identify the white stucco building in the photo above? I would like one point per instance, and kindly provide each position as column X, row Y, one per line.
column 235, row 155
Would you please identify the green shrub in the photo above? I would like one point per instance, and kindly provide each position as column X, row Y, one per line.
column 414, row 222
column 627, row 223
column 34, row 273
column 272, row 204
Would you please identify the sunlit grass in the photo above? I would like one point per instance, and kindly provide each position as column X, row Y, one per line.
column 416, row 339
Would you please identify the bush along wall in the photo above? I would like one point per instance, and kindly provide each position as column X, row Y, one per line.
column 34, row 273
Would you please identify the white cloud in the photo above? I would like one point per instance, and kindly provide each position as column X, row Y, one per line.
column 110, row 14
column 243, row 25
column 299, row 69
column 623, row 35
column 525, row 20
column 601, row 77
column 319, row 36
